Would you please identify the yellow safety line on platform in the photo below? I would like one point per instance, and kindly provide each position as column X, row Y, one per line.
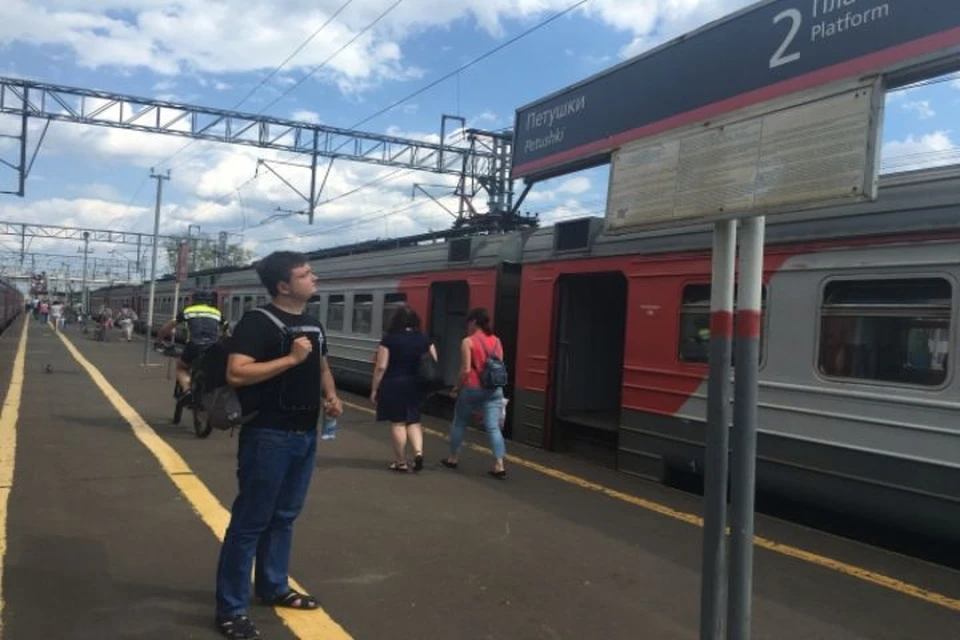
column 690, row 518
column 9, row 415
column 314, row 624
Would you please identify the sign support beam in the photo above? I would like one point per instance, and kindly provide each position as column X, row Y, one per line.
column 713, row 593
column 749, row 315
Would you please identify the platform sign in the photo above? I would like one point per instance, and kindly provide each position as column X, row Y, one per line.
column 812, row 150
column 766, row 51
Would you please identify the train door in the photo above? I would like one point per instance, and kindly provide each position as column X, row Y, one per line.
column 591, row 325
column 449, row 302
column 506, row 319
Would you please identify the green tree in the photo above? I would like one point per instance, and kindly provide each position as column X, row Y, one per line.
column 205, row 253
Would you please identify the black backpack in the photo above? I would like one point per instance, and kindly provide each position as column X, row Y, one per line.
column 494, row 373
column 220, row 399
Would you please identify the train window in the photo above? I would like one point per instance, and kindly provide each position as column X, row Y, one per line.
column 261, row 300
column 247, row 303
column 391, row 302
column 695, row 323
column 236, row 311
column 313, row 307
column 886, row 330
column 362, row 313
column 335, row 313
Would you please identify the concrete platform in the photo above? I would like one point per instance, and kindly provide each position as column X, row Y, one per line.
column 101, row 542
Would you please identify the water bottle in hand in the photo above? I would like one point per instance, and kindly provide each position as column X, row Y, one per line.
column 328, row 431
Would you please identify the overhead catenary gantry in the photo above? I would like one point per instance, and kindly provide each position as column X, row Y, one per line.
column 26, row 230
column 485, row 162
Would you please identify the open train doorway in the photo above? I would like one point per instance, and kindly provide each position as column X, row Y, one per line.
column 591, row 316
column 449, row 305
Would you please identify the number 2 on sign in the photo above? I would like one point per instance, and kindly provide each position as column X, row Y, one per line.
column 795, row 18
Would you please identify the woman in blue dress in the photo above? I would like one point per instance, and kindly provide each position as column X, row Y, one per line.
column 396, row 391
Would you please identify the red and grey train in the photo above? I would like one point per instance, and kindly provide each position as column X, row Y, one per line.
column 606, row 338
column 11, row 304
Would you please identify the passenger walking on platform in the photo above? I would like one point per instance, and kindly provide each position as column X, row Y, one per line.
column 474, row 394
column 396, row 390
column 278, row 376
column 126, row 318
column 56, row 315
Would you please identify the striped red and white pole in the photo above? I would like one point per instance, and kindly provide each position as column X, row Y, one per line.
column 713, row 586
column 749, row 298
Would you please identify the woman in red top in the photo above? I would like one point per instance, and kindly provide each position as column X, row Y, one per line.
column 472, row 395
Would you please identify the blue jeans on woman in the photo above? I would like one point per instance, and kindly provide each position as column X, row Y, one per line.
column 274, row 473
column 490, row 402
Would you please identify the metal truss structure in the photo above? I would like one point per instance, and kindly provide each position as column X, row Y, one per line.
column 39, row 262
column 26, row 230
column 484, row 164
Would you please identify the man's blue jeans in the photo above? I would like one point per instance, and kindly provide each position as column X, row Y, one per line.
column 274, row 470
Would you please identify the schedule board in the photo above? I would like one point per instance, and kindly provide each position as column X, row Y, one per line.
column 812, row 150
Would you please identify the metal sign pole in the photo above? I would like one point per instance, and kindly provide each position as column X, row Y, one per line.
column 713, row 589
column 749, row 300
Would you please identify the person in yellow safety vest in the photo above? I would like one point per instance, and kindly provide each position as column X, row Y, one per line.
column 202, row 319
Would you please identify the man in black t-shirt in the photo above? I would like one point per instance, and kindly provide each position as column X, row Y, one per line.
column 278, row 372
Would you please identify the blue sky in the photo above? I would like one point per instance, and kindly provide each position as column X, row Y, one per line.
column 213, row 52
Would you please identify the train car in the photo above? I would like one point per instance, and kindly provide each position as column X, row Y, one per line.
column 359, row 291
column 442, row 281
column 114, row 297
column 169, row 300
column 859, row 404
column 11, row 303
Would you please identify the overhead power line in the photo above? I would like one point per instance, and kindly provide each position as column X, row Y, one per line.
column 479, row 58
column 317, row 68
column 250, row 93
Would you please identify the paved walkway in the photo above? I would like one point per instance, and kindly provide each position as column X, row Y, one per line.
column 114, row 518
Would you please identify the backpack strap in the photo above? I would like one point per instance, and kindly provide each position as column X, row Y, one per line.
column 498, row 347
column 287, row 330
column 283, row 328
column 486, row 352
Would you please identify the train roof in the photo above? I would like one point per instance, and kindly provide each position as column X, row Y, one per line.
column 918, row 201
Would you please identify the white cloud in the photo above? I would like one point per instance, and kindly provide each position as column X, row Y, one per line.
column 569, row 210
column 575, row 185
column 396, row 131
column 305, row 115
column 921, row 107
column 197, row 40
column 486, row 116
column 654, row 22
column 933, row 149
column 89, row 212
column 100, row 191
column 200, row 36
